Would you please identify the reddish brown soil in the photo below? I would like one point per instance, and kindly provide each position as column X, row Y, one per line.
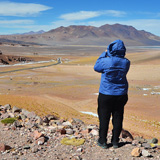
column 69, row 88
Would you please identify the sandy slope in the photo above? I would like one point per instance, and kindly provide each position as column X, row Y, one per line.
column 70, row 88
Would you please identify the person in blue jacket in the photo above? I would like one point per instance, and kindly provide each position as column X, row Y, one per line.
column 113, row 91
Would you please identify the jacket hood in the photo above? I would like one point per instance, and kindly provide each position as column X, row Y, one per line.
column 116, row 48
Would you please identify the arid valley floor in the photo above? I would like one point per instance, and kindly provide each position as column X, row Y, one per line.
column 72, row 86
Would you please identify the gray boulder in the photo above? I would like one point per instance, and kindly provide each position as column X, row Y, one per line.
column 16, row 109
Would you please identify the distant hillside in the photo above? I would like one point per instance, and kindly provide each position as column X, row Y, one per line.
column 10, row 40
column 90, row 35
column 31, row 33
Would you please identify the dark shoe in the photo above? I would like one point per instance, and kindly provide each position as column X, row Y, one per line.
column 115, row 145
column 104, row 145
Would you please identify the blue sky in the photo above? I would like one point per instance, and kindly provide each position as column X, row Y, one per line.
column 19, row 16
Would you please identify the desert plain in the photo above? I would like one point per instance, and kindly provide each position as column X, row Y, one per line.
column 71, row 87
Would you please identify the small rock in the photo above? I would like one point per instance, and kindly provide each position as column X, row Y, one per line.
column 31, row 115
column 6, row 128
column 34, row 149
column 5, row 115
column 128, row 139
column 75, row 120
column 25, row 112
column 52, row 129
column 16, row 109
column 40, row 141
column 94, row 132
column 141, row 140
column 7, row 107
column 20, row 153
column 4, row 147
column 45, row 120
column 14, row 153
column 60, row 127
column 158, row 145
column 1, row 108
column 37, row 135
column 39, row 120
column 154, row 140
column 13, row 127
column 136, row 152
column 22, row 116
column 146, row 145
column 35, row 125
column 26, row 147
column 57, row 122
column 52, row 117
column 70, row 120
column 17, row 124
column 149, row 140
column 11, row 115
column 77, row 158
column 90, row 127
column 125, row 134
column 69, row 131
column 145, row 153
column 76, row 134
column 45, row 124
column 63, row 131
column 79, row 150
column 29, row 140
column 85, row 132
column 67, row 123
column 52, row 123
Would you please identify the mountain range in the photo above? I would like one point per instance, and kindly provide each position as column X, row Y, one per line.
column 88, row 35
column 30, row 33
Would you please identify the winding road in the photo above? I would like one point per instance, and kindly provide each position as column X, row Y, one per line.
column 22, row 69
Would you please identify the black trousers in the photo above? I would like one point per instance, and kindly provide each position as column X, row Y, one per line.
column 110, row 105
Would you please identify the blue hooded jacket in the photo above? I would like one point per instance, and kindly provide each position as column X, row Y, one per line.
column 114, row 68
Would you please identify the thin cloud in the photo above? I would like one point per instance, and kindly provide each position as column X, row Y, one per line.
column 83, row 15
column 4, row 22
column 21, row 9
column 114, row 13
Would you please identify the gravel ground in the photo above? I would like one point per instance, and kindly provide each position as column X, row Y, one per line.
column 53, row 149
column 31, row 137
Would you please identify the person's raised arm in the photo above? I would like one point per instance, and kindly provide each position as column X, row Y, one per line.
column 99, row 65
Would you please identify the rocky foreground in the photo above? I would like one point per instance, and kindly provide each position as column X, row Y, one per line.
column 25, row 136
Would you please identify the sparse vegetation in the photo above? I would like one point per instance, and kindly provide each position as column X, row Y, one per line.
column 8, row 120
column 72, row 141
